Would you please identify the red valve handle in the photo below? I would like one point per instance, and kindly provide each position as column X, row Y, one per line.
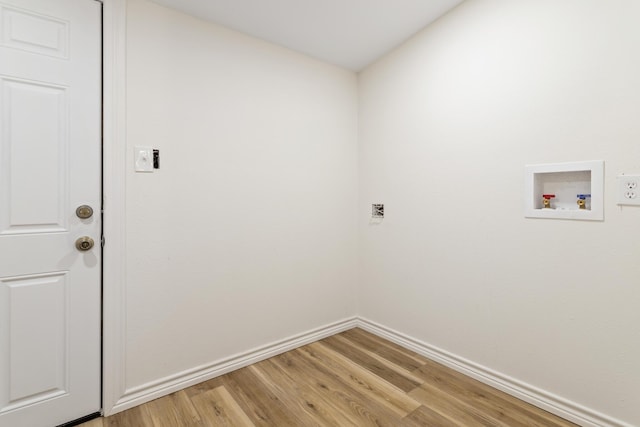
column 548, row 196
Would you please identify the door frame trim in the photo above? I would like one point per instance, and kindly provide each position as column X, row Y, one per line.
column 114, row 203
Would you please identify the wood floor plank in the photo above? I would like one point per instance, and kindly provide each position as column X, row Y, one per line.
column 356, row 407
column 174, row 410
column 449, row 407
column 462, row 390
column 359, row 357
column 424, row 416
column 361, row 379
column 217, row 408
column 259, row 402
column 326, row 394
column 493, row 400
column 205, row 386
column 388, row 364
column 353, row 389
column 297, row 395
column 130, row 417
column 351, row 379
column 403, row 357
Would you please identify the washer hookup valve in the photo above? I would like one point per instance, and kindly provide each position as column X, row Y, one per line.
column 546, row 200
column 582, row 200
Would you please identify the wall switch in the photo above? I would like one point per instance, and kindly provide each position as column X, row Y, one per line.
column 143, row 157
column 629, row 189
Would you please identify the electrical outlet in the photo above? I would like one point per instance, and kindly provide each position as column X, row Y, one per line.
column 628, row 191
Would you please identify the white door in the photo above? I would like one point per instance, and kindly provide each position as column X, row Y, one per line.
column 50, row 164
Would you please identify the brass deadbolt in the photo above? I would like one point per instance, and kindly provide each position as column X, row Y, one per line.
column 84, row 243
column 84, row 211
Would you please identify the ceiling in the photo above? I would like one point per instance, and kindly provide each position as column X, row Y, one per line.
column 348, row 33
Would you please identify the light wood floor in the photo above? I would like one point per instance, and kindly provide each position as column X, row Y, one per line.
column 350, row 379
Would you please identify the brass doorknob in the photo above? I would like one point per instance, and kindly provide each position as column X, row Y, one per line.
column 84, row 243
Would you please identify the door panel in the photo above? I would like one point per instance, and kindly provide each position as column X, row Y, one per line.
column 33, row 32
column 34, row 344
column 35, row 157
column 50, row 163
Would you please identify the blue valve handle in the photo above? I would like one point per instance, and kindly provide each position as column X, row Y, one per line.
column 583, row 196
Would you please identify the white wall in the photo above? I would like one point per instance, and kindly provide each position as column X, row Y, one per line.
column 447, row 123
column 247, row 234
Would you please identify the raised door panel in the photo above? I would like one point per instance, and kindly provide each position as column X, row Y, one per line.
column 33, row 156
column 33, row 333
column 34, row 32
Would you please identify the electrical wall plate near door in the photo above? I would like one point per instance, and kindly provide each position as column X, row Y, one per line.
column 143, row 158
column 577, row 189
column 629, row 189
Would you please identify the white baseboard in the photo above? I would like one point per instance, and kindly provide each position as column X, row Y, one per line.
column 549, row 402
column 164, row 386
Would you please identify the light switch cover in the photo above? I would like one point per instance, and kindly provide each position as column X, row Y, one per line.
column 143, row 157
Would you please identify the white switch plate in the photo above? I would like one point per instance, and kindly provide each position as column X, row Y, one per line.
column 143, row 157
column 629, row 189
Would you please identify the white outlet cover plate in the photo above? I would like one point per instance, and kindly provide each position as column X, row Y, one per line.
column 629, row 189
